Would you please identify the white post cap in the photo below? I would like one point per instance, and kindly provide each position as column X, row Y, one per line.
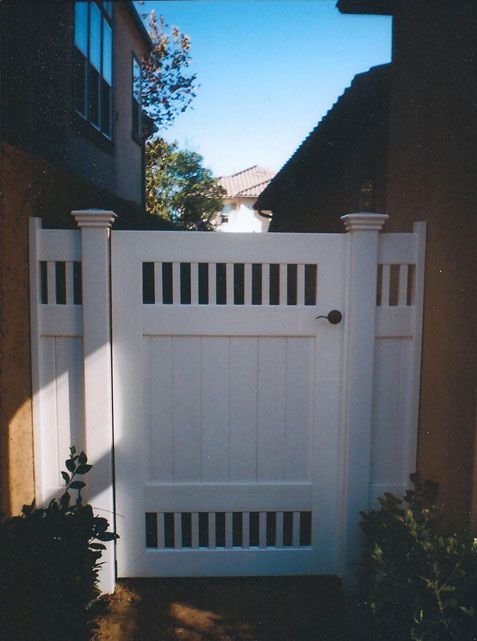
column 102, row 218
column 364, row 221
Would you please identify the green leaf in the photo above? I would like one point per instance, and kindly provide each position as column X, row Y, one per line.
column 82, row 458
column 70, row 464
column 66, row 477
column 77, row 485
column 97, row 546
column 83, row 469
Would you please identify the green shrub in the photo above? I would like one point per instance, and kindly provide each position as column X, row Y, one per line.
column 49, row 563
column 419, row 583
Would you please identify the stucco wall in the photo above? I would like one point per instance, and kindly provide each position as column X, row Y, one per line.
column 16, row 469
column 30, row 187
column 431, row 177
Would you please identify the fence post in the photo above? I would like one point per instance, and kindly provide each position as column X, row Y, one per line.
column 363, row 230
column 95, row 268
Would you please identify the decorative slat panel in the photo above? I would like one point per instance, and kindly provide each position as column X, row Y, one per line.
column 385, row 285
column 212, row 284
column 194, row 283
column 195, row 529
column 283, row 284
column 279, row 530
column 177, row 530
column 158, row 296
column 247, row 284
column 300, row 285
column 403, row 276
column 296, row 529
column 176, row 283
column 229, row 283
column 51, row 282
column 262, row 524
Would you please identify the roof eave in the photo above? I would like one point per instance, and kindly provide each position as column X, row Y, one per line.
column 139, row 23
column 369, row 7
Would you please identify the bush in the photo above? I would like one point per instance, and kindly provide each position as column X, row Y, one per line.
column 49, row 563
column 419, row 584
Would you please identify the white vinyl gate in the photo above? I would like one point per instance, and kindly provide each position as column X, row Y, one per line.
column 248, row 433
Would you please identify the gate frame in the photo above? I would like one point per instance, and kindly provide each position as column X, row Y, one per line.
column 360, row 324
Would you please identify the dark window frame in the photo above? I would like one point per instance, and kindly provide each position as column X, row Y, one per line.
column 99, row 122
column 136, row 108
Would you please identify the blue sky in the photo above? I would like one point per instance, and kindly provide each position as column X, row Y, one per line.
column 268, row 71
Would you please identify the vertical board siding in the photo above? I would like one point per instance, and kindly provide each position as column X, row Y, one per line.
column 158, row 406
column 299, row 403
column 186, row 394
column 243, row 408
column 271, row 409
column 214, row 408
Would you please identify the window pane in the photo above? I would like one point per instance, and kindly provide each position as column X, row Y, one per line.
column 108, row 7
column 81, row 26
column 106, row 108
column 136, row 80
column 136, row 112
column 80, row 82
column 107, row 53
column 95, row 36
column 93, row 96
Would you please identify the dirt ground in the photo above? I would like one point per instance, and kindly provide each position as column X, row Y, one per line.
column 246, row 609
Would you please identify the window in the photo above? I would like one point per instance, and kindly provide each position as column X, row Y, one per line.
column 93, row 63
column 365, row 199
column 136, row 100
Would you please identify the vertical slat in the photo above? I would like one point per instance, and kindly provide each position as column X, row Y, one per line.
column 300, row 284
column 262, row 529
column 194, row 283
column 296, row 529
column 279, row 530
column 385, row 285
column 265, row 284
column 195, row 529
column 211, row 529
column 229, row 267
column 283, row 284
column 51, row 278
column 176, row 283
column 177, row 530
column 229, row 529
column 160, row 530
column 158, row 283
column 245, row 529
column 69, row 282
column 212, row 284
column 403, row 272
column 247, row 284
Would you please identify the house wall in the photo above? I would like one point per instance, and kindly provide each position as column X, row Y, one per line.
column 431, row 177
column 128, row 152
column 39, row 115
column 322, row 181
column 242, row 217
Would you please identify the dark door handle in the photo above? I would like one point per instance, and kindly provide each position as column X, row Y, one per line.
column 334, row 317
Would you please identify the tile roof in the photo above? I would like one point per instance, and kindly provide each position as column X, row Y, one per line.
column 248, row 182
column 266, row 200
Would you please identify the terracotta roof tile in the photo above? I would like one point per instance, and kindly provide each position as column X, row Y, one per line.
column 249, row 182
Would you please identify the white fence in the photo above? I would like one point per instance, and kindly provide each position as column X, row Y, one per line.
column 247, row 433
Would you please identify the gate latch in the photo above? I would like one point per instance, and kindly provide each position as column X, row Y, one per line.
column 334, row 317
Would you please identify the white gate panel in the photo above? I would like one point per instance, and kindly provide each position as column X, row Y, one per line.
column 248, row 434
column 220, row 473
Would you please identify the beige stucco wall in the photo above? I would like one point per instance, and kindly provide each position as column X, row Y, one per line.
column 16, row 433
column 432, row 178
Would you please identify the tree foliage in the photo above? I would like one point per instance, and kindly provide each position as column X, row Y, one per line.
column 179, row 188
column 167, row 87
